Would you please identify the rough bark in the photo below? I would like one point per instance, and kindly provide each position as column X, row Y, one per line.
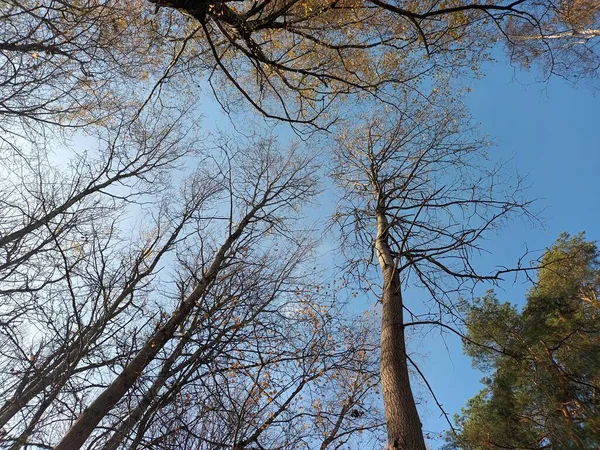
column 403, row 424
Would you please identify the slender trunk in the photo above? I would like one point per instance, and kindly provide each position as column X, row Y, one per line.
column 403, row 424
column 59, row 366
column 126, row 425
column 93, row 414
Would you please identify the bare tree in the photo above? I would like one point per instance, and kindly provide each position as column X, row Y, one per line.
column 72, row 63
column 41, row 203
column 68, row 271
column 204, row 330
column 121, row 333
column 273, row 386
column 418, row 196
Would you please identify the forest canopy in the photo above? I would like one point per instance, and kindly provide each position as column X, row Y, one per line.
column 160, row 283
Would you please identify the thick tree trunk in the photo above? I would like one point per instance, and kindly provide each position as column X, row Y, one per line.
column 403, row 424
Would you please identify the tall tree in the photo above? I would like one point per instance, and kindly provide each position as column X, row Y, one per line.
column 70, row 271
column 291, row 59
column 193, row 329
column 184, row 327
column 417, row 198
column 542, row 363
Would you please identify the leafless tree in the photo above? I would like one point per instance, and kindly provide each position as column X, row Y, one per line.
column 72, row 63
column 201, row 331
column 68, row 271
column 274, row 386
column 118, row 332
column 418, row 197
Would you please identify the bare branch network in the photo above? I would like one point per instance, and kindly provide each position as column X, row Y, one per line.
column 158, row 284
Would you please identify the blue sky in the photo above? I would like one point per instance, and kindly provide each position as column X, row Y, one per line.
column 552, row 133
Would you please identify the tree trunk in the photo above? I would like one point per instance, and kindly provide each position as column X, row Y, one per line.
column 95, row 412
column 403, row 424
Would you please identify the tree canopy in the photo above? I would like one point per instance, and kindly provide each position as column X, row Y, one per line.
column 291, row 58
column 543, row 363
column 155, row 280
column 294, row 60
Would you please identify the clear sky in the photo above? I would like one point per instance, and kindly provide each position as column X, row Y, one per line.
column 552, row 133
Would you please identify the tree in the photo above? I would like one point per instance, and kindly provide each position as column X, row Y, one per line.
column 417, row 198
column 234, row 347
column 543, row 362
column 73, row 273
column 291, row 59
column 74, row 63
column 566, row 40
column 188, row 328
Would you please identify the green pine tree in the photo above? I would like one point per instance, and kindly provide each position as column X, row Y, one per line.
column 542, row 389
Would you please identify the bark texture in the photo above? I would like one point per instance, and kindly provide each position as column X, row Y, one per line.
column 403, row 425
